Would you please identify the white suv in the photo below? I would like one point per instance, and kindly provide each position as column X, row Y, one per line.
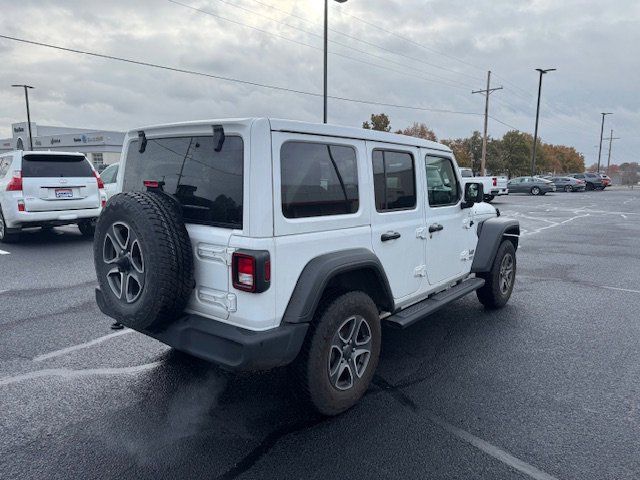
column 46, row 189
column 256, row 243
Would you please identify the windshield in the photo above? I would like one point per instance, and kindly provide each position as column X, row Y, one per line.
column 43, row 165
column 207, row 183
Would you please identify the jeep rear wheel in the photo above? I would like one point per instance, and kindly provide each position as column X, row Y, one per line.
column 341, row 353
column 499, row 281
column 143, row 259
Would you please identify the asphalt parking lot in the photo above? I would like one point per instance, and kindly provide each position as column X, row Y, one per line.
column 548, row 387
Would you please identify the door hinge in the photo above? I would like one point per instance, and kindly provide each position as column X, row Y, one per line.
column 421, row 233
column 420, row 271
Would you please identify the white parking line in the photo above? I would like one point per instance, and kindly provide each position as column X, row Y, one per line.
column 67, row 374
column 493, row 451
column 80, row 346
column 620, row 289
column 4, row 252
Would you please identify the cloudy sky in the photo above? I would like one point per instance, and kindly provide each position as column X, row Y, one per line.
column 426, row 54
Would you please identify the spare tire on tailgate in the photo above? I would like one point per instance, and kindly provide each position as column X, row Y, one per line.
column 143, row 259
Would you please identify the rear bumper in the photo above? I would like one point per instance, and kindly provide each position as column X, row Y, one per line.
column 229, row 346
column 500, row 191
column 16, row 219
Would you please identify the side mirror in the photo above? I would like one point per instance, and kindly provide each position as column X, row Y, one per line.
column 473, row 193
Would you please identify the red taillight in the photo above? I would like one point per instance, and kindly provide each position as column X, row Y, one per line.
column 104, row 202
column 251, row 270
column 495, row 182
column 15, row 184
column 150, row 184
column 98, row 179
column 21, row 207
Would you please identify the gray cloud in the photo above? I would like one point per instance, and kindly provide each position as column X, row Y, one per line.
column 593, row 46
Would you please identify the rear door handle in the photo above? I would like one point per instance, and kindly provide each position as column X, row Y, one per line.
column 385, row 237
column 435, row 227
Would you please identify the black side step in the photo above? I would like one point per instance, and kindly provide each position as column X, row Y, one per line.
column 412, row 314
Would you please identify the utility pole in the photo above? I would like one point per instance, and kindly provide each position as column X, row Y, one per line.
column 611, row 139
column 326, row 53
column 535, row 135
column 604, row 114
column 486, row 93
column 26, row 97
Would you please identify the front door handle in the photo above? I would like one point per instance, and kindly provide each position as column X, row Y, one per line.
column 385, row 237
column 435, row 227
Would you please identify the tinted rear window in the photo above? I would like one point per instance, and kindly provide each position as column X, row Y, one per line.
column 41, row 165
column 207, row 183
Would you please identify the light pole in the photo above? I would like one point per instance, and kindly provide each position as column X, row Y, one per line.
column 535, row 135
column 326, row 53
column 26, row 97
column 604, row 114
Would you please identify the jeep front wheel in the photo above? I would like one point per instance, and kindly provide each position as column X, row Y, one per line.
column 341, row 353
column 499, row 281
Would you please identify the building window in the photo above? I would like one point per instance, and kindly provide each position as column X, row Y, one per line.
column 318, row 179
column 98, row 159
column 394, row 180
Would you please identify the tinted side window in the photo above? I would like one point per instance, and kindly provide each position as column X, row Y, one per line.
column 208, row 184
column 318, row 179
column 43, row 165
column 109, row 174
column 394, row 180
column 442, row 183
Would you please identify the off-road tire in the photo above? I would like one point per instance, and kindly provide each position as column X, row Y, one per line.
column 492, row 295
column 313, row 365
column 87, row 227
column 155, row 219
column 535, row 191
column 6, row 235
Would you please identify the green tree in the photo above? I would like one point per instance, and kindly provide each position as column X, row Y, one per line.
column 379, row 122
column 420, row 130
column 516, row 153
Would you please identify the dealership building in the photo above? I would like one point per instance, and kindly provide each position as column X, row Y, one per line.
column 101, row 147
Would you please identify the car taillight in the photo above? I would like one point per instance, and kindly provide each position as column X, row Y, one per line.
column 98, row 179
column 15, row 184
column 151, row 184
column 103, row 202
column 495, row 182
column 251, row 270
column 21, row 207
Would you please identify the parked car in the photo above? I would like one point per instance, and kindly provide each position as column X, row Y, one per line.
column 606, row 180
column 109, row 177
column 46, row 189
column 532, row 185
column 256, row 243
column 592, row 180
column 568, row 184
column 493, row 185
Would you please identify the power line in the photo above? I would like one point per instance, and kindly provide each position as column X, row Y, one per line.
column 230, row 79
column 351, row 37
column 450, row 82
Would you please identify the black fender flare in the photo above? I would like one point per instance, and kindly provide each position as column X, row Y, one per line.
column 318, row 273
column 491, row 233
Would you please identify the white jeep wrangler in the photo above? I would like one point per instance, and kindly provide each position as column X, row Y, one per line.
column 256, row 243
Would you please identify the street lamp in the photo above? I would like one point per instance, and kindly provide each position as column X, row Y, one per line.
column 326, row 41
column 604, row 114
column 535, row 135
column 26, row 96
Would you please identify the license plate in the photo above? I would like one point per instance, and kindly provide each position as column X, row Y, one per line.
column 64, row 193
